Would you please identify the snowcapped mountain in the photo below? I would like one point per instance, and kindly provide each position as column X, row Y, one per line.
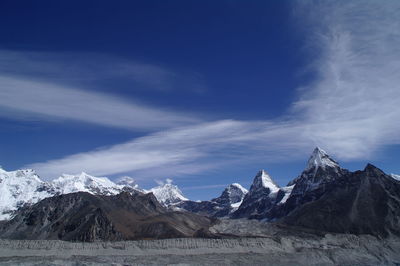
column 233, row 195
column 265, row 197
column 361, row 202
column 320, row 168
column 222, row 206
column 260, row 198
column 168, row 194
column 263, row 183
column 24, row 187
column 21, row 187
column 86, row 183
column 266, row 200
column 319, row 158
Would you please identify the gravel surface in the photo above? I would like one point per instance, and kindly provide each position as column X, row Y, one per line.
column 272, row 246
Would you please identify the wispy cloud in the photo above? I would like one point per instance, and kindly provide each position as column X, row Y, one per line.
column 350, row 108
column 352, row 105
column 20, row 98
column 51, row 86
column 93, row 69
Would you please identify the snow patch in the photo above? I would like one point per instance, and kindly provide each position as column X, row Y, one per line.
column 397, row 177
column 288, row 191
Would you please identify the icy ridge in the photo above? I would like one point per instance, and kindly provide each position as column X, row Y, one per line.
column 397, row 177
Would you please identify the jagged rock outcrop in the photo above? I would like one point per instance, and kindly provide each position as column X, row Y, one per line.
column 86, row 217
column 222, row 206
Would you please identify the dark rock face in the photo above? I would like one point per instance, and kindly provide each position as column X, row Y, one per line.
column 312, row 184
column 85, row 217
column 363, row 202
column 326, row 197
column 217, row 207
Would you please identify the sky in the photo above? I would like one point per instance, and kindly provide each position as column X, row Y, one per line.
column 205, row 93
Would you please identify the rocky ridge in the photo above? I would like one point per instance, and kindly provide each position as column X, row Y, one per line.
column 222, row 206
column 86, row 217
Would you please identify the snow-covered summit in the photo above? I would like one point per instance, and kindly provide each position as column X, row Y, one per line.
column 319, row 158
column 234, row 187
column 84, row 182
column 168, row 193
column 264, row 180
column 21, row 187
column 397, row 177
column 235, row 194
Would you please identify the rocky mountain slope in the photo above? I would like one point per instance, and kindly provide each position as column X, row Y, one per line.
column 86, row 217
column 319, row 176
column 24, row 187
column 323, row 197
column 362, row 202
column 329, row 198
column 222, row 206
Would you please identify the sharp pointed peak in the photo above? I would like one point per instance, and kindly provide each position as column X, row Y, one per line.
column 317, row 149
column 263, row 179
column 371, row 167
column 320, row 158
column 262, row 172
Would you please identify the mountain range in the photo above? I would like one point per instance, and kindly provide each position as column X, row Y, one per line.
column 324, row 197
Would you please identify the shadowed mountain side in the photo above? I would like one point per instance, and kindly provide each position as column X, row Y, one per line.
column 222, row 206
column 363, row 202
column 85, row 217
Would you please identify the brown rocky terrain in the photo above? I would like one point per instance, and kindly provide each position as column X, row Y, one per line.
column 85, row 217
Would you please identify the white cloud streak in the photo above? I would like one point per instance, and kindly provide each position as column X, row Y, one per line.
column 91, row 68
column 352, row 106
column 32, row 99
column 350, row 109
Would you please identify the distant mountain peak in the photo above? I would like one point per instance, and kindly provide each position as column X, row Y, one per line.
column 86, row 183
column 234, row 193
column 320, row 159
column 168, row 193
column 264, row 180
column 127, row 181
column 21, row 187
column 237, row 186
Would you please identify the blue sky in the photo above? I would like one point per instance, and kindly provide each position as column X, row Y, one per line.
column 203, row 92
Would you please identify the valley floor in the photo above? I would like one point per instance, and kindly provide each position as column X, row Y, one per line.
column 260, row 244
